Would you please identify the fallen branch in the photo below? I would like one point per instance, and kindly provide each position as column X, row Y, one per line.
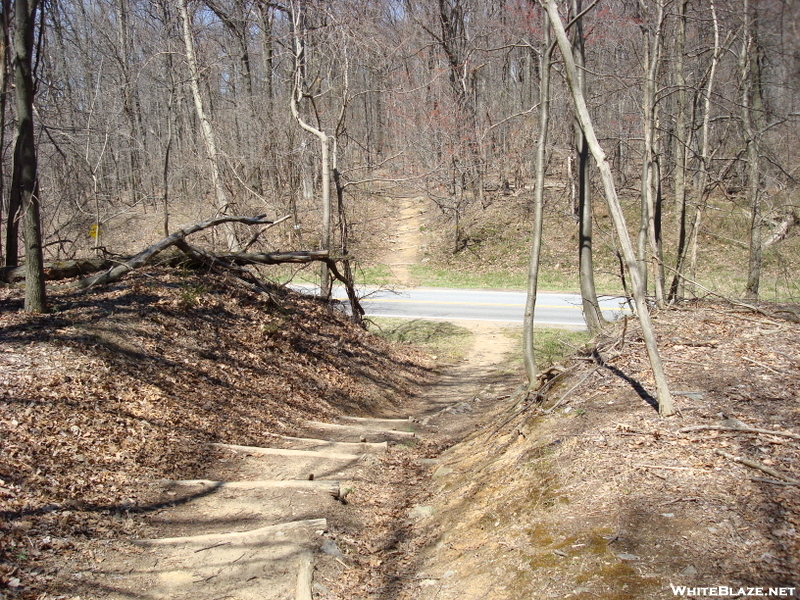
column 665, row 467
column 572, row 389
column 227, row 260
column 762, row 365
column 60, row 269
column 794, row 436
column 773, row 481
column 754, row 465
column 305, row 577
column 115, row 273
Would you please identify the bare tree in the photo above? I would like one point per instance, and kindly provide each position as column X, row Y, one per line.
column 24, row 185
column 663, row 396
column 752, row 121
column 298, row 25
column 591, row 307
column 681, row 135
column 528, row 348
column 222, row 201
column 649, row 228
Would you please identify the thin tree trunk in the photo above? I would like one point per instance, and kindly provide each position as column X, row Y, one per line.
column 681, row 143
column 591, row 307
column 528, row 348
column 751, row 83
column 648, row 227
column 222, row 202
column 663, row 396
column 324, row 141
column 14, row 209
column 24, row 184
column 4, row 47
column 702, row 179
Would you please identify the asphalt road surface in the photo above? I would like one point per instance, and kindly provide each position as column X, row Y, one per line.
column 554, row 310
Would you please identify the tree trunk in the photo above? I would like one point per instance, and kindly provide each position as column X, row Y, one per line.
column 663, row 396
column 222, row 201
column 4, row 47
column 591, row 306
column 528, row 348
column 324, row 141
column 681, row 143
column 648, row 231
column 751, row 110
column 24, row 183
column 702, row 179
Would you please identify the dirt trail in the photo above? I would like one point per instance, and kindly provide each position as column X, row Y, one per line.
column 293, row 519
column 404, row 242
column 327, row 512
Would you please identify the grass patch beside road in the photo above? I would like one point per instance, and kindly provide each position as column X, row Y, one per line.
column 551, row 346
column 444, row 341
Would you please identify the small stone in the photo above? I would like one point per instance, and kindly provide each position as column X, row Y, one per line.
column 321, row 589
column 668, row 515
column 448, row 574
column 713, row 530
column 330, row 548
column 442, row 472
column 428, row 583
column 689, row 571
column 625, row 556
column 419, row 512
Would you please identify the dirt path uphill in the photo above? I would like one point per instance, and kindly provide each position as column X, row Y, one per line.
column 405, row 238
column 333, row 510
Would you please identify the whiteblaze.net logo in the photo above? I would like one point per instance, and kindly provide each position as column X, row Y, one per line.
column 724, row 591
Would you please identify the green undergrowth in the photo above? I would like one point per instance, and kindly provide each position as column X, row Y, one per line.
column 444, row 341
column 495, row 248
column 551, row 346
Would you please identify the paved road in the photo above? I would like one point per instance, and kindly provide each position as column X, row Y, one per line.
column 558, row 310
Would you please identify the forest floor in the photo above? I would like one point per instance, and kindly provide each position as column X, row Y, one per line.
column 585, row 493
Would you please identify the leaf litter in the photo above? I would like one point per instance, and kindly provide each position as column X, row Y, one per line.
column 600, row 498
column 131, row 383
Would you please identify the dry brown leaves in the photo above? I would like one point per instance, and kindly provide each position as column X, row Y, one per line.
column 605, row 499
column 130, row 383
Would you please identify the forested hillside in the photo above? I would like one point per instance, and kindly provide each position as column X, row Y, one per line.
column 152, row 114
column 641, row 148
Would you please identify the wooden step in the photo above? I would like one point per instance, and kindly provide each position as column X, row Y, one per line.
column 239, row 537
column 326, row 485
column 333, row 446
column 288, row 452
column 356, row 429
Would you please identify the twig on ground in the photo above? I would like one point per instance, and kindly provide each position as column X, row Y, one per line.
column 762, row 365
column 754, row 465
column 572, row 389
column 793, row 436
column 773, row 481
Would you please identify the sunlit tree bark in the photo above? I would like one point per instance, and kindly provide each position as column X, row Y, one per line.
column 24, row 183
column 528, row 346
column 209, row 139
column 663, row 396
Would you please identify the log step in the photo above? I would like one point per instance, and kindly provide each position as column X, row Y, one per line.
column 239, row 537
column 390, row 424
column 326, row 485
column 348, row 446
column 355, row 429
column 288, row 452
